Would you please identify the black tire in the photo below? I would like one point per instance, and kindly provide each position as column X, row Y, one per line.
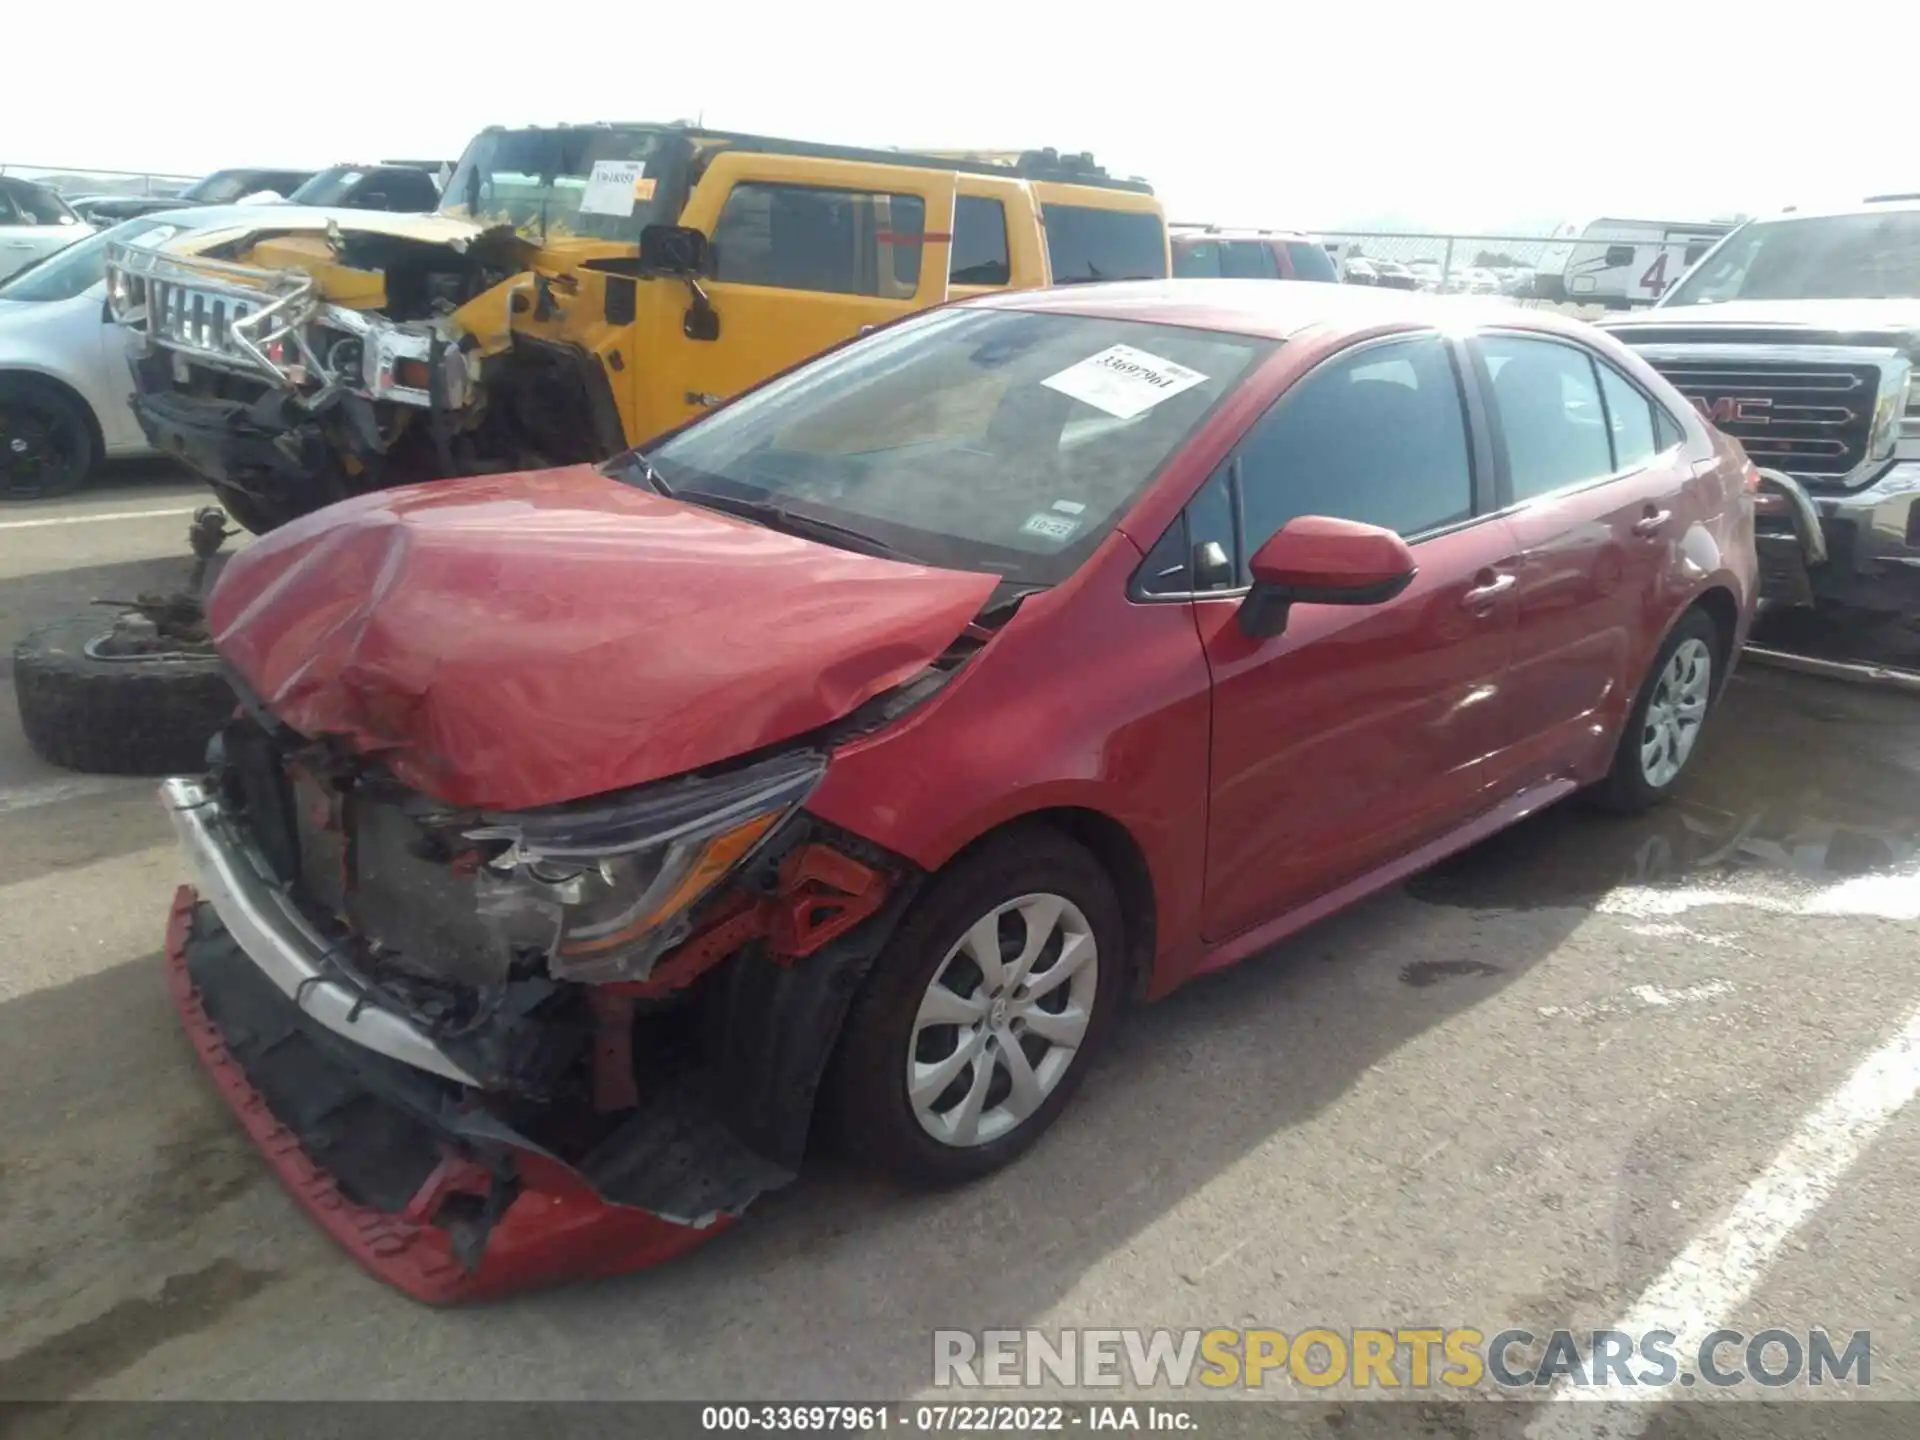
column 115, row 717
column 1627, row 790
column 868, row 1112
column 47, row 447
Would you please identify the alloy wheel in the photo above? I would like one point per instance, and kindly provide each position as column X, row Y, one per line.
column 1002, row 1019
column 1675, row 712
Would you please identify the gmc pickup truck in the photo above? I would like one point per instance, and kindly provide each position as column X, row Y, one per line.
column 1797, row 335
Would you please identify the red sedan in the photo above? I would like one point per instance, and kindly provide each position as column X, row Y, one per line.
column 592, row 838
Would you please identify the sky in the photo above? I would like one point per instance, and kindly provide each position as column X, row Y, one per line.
column 1479, row 117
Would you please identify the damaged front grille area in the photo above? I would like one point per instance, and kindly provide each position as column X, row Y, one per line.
column 275, row 326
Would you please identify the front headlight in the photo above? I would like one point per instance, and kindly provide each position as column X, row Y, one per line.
column 603, row 890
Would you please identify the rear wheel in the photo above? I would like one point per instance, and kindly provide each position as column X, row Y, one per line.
column 982, row 1016
column 46, row 443
column 1663, row 729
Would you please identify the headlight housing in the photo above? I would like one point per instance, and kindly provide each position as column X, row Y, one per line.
column 604, row 889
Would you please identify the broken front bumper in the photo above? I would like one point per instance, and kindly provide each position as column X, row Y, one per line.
column 1860, row 549
column 230, row 442
column 376, row 1130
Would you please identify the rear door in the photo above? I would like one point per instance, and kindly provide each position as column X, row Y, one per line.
column 1593, row 473
column 1361, row 731
column 804, row 254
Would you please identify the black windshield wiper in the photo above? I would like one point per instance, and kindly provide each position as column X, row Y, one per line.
column 631, row 465
column 809, row 527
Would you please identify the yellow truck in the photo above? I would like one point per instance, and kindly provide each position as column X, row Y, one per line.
column 581, row 289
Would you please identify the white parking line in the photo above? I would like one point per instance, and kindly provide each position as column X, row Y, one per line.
column 1710, row 1279
column 100, row 515
column 75, row 787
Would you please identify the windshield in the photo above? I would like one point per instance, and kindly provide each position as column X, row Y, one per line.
column 1871, row 256
column 557, row 183
column 219, row 187
column 988, row 440
column 329, row 187
column 81, row 265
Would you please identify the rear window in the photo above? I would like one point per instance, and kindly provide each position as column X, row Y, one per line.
column 1085, row 245
column 79, row 267
column 1310, row 261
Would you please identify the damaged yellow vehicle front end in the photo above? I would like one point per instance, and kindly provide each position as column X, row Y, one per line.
column 581, row 289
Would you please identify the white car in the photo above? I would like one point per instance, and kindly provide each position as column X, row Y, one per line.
column 64, row 381
column 34, row 222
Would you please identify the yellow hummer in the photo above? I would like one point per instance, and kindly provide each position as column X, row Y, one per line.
column 581, row 289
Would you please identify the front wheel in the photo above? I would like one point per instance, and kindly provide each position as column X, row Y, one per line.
column 981, row 1018
column 46, row 443
column 1663, row 728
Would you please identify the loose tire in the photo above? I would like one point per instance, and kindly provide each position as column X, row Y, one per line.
column 1663, row 729
column 145, row 716
column 46, row 442
column 1046, row 911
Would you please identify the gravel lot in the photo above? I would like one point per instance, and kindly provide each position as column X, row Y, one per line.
column 1513, row 1091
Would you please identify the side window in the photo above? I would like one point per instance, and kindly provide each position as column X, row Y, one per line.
column 1618, row 255
column 1695, row 249
column 1548, row 407
column 801, row 237
column 1629, row 417
column 1198, row 260
column 979, row 242
column 1377, row 437
column 1666, row 430
column 1085, row 244
column 1170, row 567
column 8, row 214
column 1249, row 260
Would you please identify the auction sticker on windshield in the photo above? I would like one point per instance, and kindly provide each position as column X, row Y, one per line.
column 1123, row 381
column 613, row 187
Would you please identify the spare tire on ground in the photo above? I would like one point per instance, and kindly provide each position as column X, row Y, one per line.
column 148, row 714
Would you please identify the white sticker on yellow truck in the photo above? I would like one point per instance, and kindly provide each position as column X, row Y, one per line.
column 1123, row 381
column 612, row 187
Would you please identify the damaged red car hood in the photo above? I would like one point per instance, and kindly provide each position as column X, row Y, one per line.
column 513, row 641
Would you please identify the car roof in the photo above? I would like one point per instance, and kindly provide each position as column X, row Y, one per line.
column 1273, row 309
column 1821, row 212
column 1220, row 232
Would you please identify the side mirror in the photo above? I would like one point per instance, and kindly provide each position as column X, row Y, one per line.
column 1315, row 560
column 672, row 250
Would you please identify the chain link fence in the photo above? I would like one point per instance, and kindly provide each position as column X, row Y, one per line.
column 1479, row 264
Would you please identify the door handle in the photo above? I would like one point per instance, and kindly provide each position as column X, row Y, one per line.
column 1481, row 596
column 1648, row 525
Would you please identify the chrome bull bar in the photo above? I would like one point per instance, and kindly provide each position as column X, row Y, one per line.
column 236, row 317
column 264, row 324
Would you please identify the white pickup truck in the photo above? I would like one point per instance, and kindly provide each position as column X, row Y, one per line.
column 1798, row 335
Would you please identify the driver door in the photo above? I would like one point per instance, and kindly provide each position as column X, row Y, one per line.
column 803, row 254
